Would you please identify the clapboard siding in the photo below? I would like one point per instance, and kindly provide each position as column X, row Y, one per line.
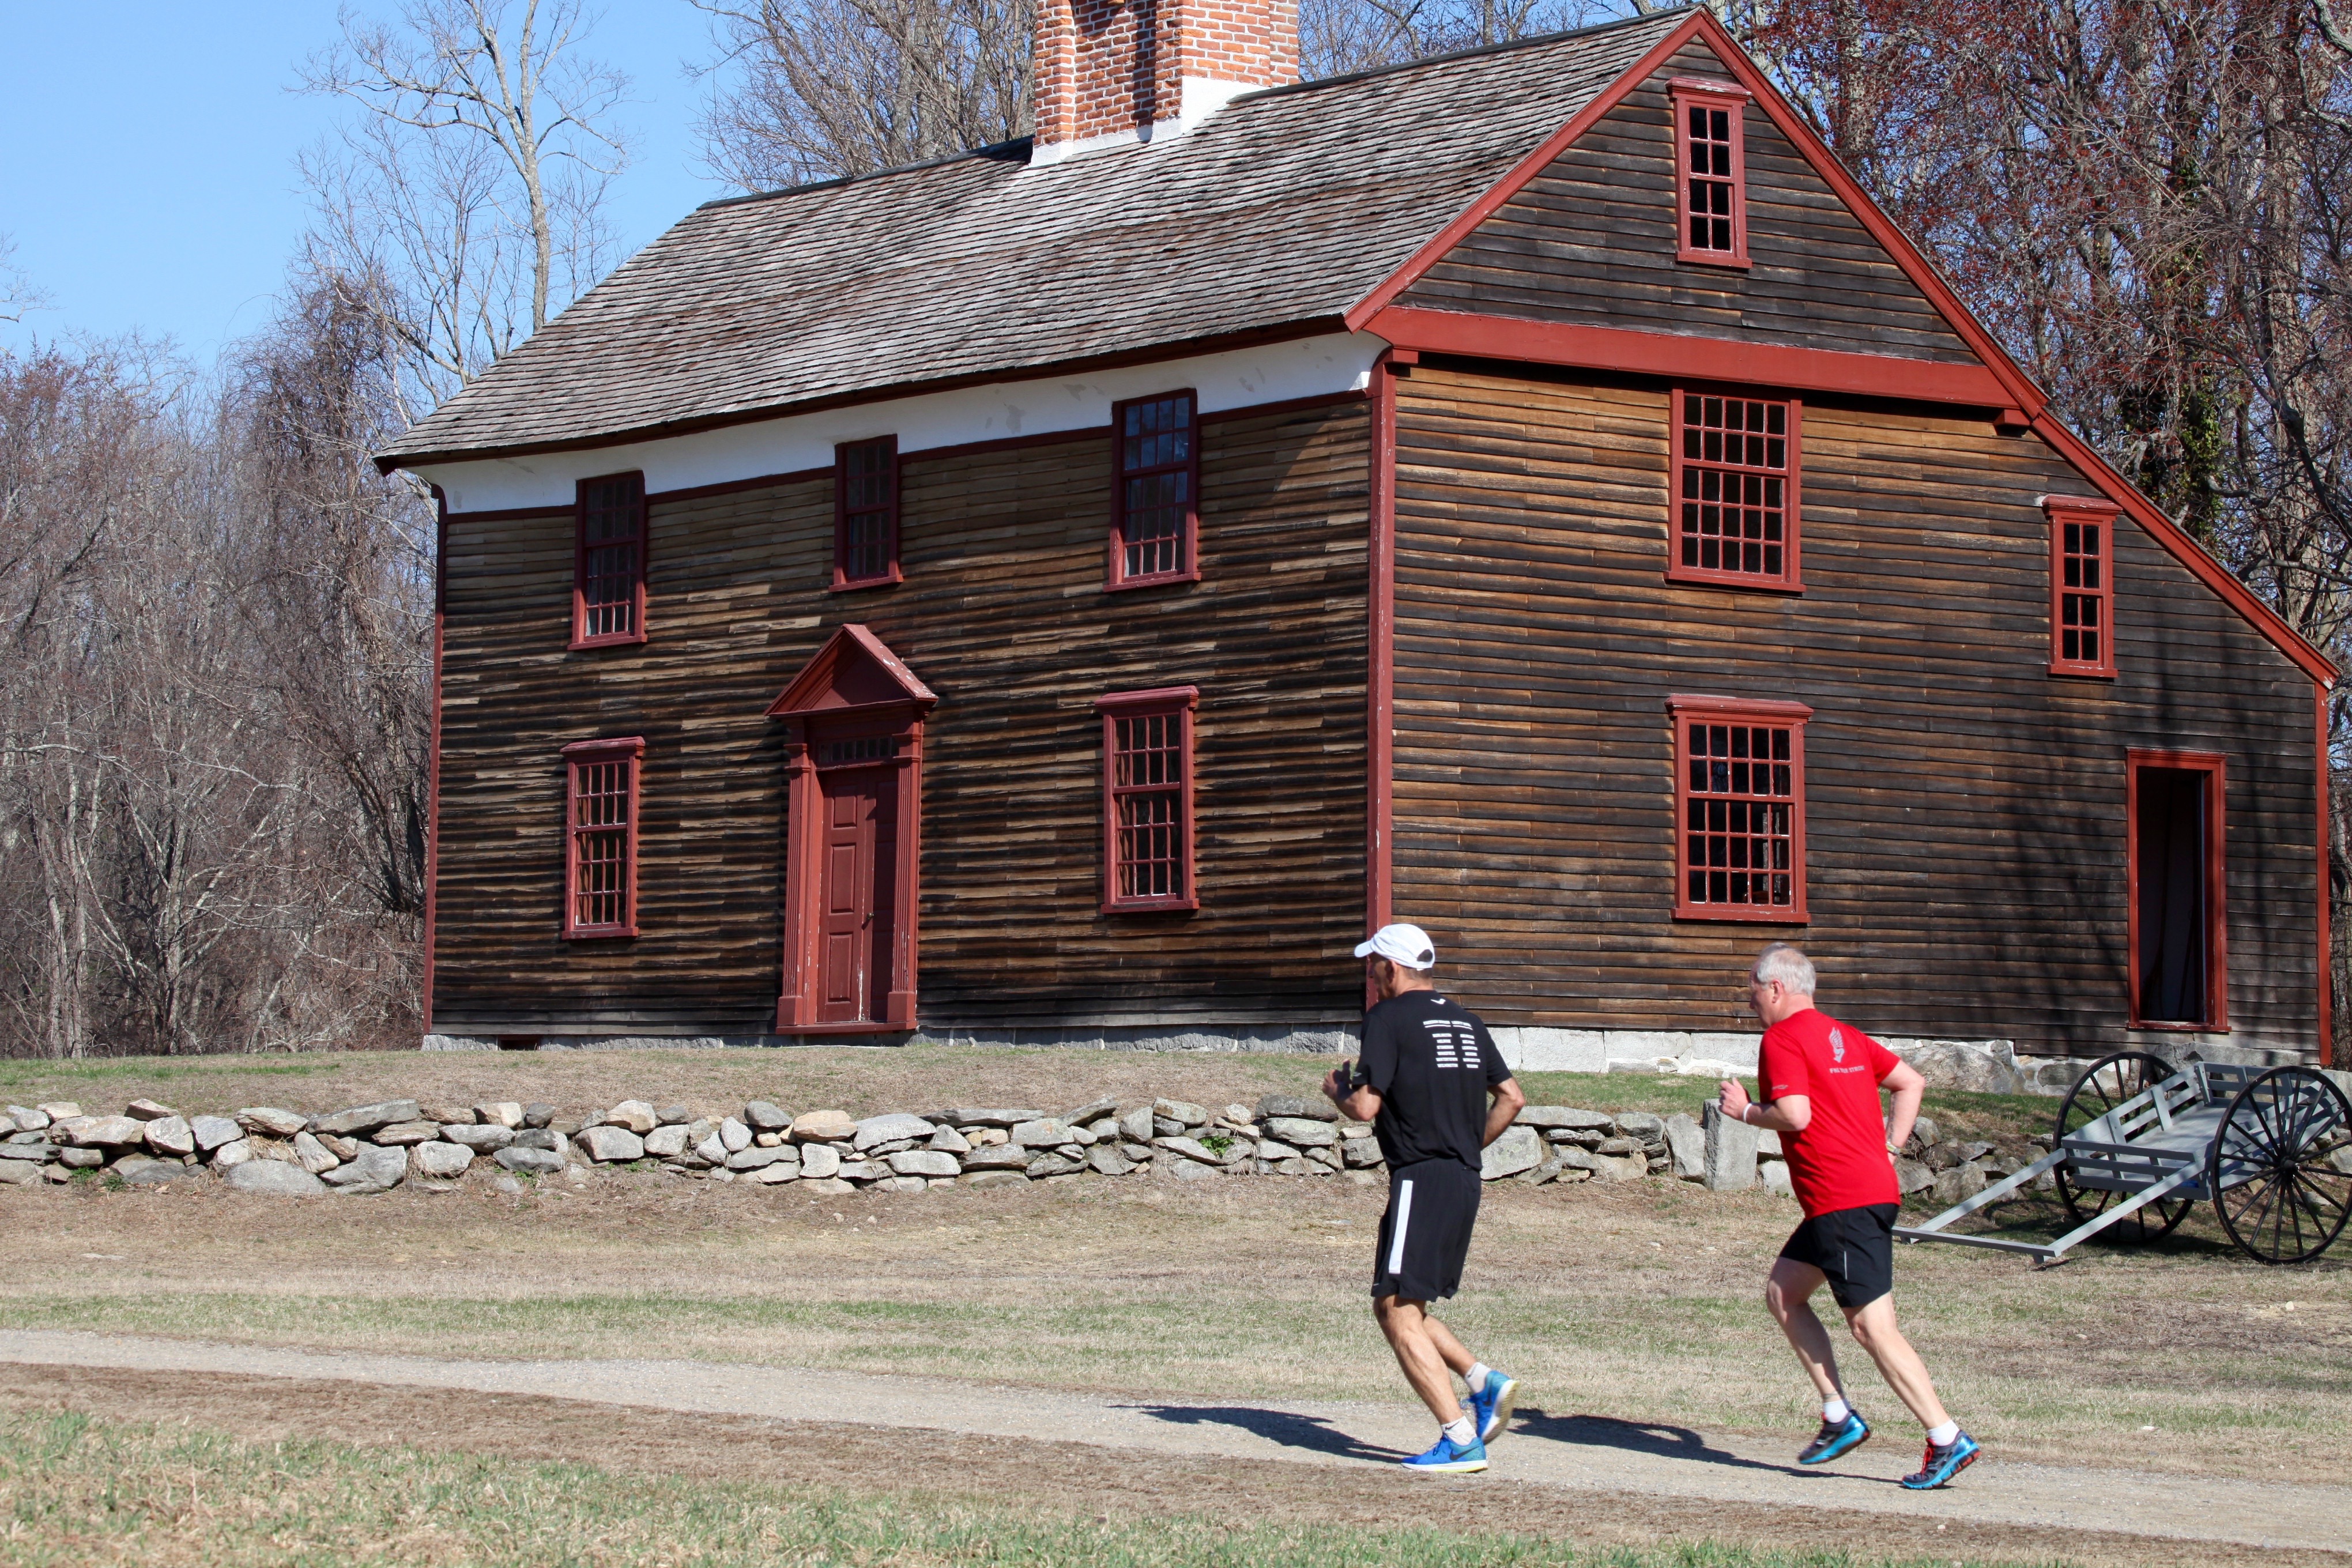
column 1965, row 810
column 1003, row 613
column 1591, row 241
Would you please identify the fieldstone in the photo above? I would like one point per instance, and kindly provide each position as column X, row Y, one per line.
column 985, row 1137
column 539, row 1113
column 138, row 1171
column 831, row 1185
column 712, row 1148
column 1731, row 1152
column 1925, row 1132
column 1183, row 1111
column 633, row 1116
column 1292, row 1105
column 1192, row 1170
column 1621, row 1167
column 275, row 1178
column 777, row 1174
column 863, row 1170
column 211, row 1131
column 1001, row 1157
column 1084, row 1137
column 1303, row 1131
column 993, row 1178
column 1091, row 1111
column 1618, row 1146
column 448, row 1115
column 666, row 1142
column 824, row 1127
column 1105, row 1129
column 1972, row 1069
column 171, row 1135
column 892, row 1129
column 1911, row 1176
column 1191, row 1148
column 545, row 1138
column 1641, row 1124
column 1359, row 1152
column 1328, row 1157
column 734, row 1135
column 378, row 1169
column 760, row 1159
column 924, row 1162
column 440, row 1161
column 1565, row 1117
column 235, row 1151
column 1269, row 1150
column 30, row 1146
column 1109, row 1160
column 482, row 1138
column 1518, row 1149
column 27, row 1119
column 148, row 1110
column 19, row 1172
column 351, row 1123
column 820, row 1161
column 1687, row 1146
column 1958, row 1185
column 91, row 1159
column 999, row 1117
column 1774, row 1174
column 498, row 1113
column 1136, row 1125
column 275, row 1148
column 762, row 1117
column 312, row 1155
column 402, row 1134
column 1045, row 1132
column 948, row 1141
column 533, row 1161
column 59, row 1110
column 681, row 1116
column 1767, row 1144
column 606, row 1145
column 1050, row 1164
column 106, row 1132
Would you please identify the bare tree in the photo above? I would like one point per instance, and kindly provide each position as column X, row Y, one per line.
column 461, row 207
column 18, row 293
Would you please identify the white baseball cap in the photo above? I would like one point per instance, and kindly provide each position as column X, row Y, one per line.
column 1401, row 943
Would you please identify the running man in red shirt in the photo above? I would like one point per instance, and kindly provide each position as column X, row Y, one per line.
column 1820, row 1081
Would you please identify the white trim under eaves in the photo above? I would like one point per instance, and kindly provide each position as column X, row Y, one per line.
column 1271, row 372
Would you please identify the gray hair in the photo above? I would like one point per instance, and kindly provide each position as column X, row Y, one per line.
column 1788, row 964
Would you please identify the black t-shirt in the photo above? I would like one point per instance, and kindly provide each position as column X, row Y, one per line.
column 1432, row 1061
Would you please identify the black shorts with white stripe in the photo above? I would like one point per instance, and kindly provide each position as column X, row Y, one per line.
column 1425, row 1234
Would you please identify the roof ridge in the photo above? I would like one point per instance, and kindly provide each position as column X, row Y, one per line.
column 993, row 150
column 1504, row 47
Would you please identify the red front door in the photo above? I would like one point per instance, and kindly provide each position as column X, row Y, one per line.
column 860, row 862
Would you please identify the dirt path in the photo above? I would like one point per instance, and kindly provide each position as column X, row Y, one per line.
column 1547, row 1450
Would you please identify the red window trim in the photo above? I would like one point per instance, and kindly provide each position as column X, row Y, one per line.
column 1791, row 578
column 1740, row 710
column 2217, row 884
column 1180, row 701
column 842, row 580
column 632, row 750
column 2061, row 510
column 1685, row 91
column 1189, row 569
column 580, row 639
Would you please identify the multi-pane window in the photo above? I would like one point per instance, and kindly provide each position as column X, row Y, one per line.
column 2082, row 585
column 608, row 592
column 865, row 513
column 1740, row 809
column 1156, row 512
column 600, row 883
column 1711, row 186
column 1148, row 799
column 1734, row 478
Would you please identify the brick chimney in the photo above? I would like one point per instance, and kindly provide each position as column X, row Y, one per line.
column 1106, row 71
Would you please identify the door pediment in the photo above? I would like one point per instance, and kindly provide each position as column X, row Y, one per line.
column 853, row 669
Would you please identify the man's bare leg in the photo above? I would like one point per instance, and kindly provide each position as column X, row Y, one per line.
column 1873, row 1330
column 1788, row 1294
column 1424, row 1350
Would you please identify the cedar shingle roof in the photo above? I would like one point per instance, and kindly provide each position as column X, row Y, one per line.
column 1271, row 218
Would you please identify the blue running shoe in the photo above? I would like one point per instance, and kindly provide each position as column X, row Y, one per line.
column 1447, row 1460
column 1836, row 1437
column 1490, row 1408
column 1943, row 1462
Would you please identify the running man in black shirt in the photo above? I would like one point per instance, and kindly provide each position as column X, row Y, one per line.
column 1429, row 1070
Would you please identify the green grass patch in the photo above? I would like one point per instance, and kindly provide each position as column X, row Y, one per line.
column 83, row 1492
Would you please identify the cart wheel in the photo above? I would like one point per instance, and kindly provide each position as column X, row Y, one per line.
column 2111, row 1081
column 2280, row 1168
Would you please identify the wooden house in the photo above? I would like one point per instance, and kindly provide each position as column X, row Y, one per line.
column 1070, row 590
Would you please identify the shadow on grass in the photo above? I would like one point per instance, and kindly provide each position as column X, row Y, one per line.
column 1288, row 1428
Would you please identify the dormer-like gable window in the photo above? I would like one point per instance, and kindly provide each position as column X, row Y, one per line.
column 1711, row 171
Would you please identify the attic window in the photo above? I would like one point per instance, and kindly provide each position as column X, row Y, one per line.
column 865, row 513
column 1711, row 164
column 1155, row 504
column 608, row 583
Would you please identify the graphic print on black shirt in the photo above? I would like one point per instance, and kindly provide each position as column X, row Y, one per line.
column 1432, row 1061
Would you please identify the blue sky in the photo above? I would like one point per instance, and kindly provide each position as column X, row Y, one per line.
column 146, row 154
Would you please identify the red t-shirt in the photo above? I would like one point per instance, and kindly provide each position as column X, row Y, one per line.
column 1838, row 1161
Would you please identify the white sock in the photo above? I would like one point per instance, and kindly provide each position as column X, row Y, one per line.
column 1942, row 1436
column 1834, row 1410
column 1461, row 1432
column 1477, row 1375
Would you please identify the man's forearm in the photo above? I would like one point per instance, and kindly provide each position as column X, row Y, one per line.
column 1906, row 1111
column 1769, row 1117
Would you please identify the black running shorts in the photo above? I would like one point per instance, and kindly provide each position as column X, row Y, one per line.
column 1855, row 1247
column 1425, row 1234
